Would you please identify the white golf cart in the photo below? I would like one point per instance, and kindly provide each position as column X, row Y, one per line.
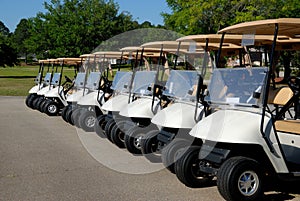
column 90, row 105
column 55, row 99
column 179, row 118
column 78, row 89
column 245, row 144
column 38, row 84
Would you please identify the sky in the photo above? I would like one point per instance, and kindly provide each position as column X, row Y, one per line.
column 12, row 11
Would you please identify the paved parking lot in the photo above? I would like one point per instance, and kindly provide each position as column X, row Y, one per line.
column 44, row 158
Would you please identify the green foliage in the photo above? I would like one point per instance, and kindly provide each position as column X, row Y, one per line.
column 203, row 16
column 8, row 55
column 20, row 36
column 73, row 27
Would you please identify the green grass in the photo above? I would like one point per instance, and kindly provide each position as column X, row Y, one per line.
column 18, row 80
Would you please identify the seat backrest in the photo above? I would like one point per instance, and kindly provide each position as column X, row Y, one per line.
column 38, row 78
column 282, row 96
column 55, row 80
column 47, row 78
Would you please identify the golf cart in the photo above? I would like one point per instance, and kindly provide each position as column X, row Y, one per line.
column 245, row 144
column 55, row 99
column 38, row 84
column 178, row 119
column 90, row 104
column 121, row 88
column 51, row 80
column 122, row 96
column 77, row 90
column 146, row 88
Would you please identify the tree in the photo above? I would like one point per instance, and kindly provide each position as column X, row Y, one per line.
column 3, row 29
column 8, row 56
column 73, row 27
column 202, row 16
column 20, row 36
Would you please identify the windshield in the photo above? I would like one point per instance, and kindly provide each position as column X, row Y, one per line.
column 121, row 81
column 55, row 79
column 80, row 79
column 93, row 80
column 236, row 86
column 143, row 82
column 182, row 84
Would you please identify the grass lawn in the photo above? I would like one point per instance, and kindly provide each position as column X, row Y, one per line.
column 18, row 80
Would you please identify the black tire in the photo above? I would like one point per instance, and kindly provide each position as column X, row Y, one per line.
column 31, row 99
column 28, row 98
column 87, row 121
column 173, row 151
column 150, row 145
column 64, row 112
column 39, row 102
column 100, row 126
column 36, row 102
column 133, row 140
column 108, row 127
column 43, row 104
column 117, row 134
column 233, row 179
column 76, row 115
column 52, row 108
column 188, row 171
column 69, row 115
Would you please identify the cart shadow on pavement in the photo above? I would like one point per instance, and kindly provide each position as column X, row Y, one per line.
column 287, row 191
column 278, row 197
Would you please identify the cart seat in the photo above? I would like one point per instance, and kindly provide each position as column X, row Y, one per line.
column 288, row 126
column 283, row 96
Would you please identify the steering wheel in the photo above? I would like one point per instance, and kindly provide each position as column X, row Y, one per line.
column 68, row 79
column 294, row 83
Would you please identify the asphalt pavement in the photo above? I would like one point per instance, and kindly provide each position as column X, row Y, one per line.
column 44, row 158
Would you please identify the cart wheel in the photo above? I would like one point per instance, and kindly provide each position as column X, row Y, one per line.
column 31, row 99
column 64, row 112
column 133, row 139
column 75, row 116
column 188, row 171
column 150, row 145
column 117, row 134
column 28, row 99
column 108, row 127
column 173, row 151
column 43, row 105
column 100, row 125
column 240, row 179
column 69, row 114
column 87, row 121
column 52, row 108
column 36, row 102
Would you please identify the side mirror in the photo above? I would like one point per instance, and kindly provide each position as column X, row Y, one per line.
column 125, row 86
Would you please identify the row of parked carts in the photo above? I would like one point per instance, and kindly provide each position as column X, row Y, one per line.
column 203, row 121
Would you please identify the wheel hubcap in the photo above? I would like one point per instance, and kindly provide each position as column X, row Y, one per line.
column 90, row 121
column 137, row 141
column 248, row 183
column 52, row 108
